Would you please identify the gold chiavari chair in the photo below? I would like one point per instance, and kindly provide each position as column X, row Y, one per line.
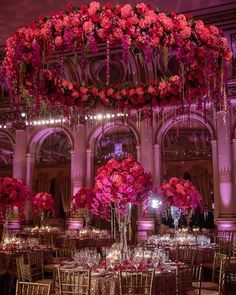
column 74, row 282
column 184, row 276
column 197, row 278
column 63, row 253
column 19, row 262
column 35, row 260
column 231, row 269
column 186, row 254
column 33, row 271
column 46, row 239
column 217, row 284
column 69, row 244
column 136, row 282
column 29, row 288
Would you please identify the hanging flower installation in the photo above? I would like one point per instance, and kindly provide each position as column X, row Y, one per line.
column 200, row 49
column 180, row 193
column 82, row 199
column 119, row 183
column 13, row 193
column 43, row 202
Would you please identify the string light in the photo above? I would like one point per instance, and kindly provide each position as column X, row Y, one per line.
column 44, row 122
column 108, row 116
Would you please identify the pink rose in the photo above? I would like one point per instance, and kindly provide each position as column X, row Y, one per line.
column 58, row 24
column 58, row 41
column 83, row 90
column 110, row 91
column 88, row 26
column 93, row 7
column 126, row 10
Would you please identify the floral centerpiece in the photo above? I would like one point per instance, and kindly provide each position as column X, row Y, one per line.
column 118, row 185
column 180, row 195
column 83, row 200
column 13, row 193
column 43, row 202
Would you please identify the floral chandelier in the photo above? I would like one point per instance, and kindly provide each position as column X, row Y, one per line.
column 201, row 52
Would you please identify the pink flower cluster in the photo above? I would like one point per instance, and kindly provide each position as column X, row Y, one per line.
column 119, row 183
column 13, row 193
column 82, row 199
column 118, row 96
column 200, row 49
column 43, row 201
column 180, row 193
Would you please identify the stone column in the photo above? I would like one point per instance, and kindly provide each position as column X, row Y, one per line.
column 89, row 162
column 30, row 164
column 227, row 217
column 77, row 172
column 215, row 178
column 146, row 153
column 78, row 157
column 157, row 166
column 147, row 223
column 19, row 159
column 138, row 149
column 19, row 169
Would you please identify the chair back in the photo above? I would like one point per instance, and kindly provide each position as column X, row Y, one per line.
column 72, row 282
column 197, row 277
column 186, row 254
column 219, row 270
column 64, row 253
column 29, row 288
column 69, row 244
column 19, row 262
column 35, row 261
column 136, row 282
column 46, row 239
column 183, row 280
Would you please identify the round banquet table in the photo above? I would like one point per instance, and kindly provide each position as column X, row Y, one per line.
column 164, row 283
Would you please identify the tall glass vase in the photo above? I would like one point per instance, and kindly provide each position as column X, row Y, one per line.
column 175, row 213
column 87, row 219
column 42, row 217
column 123, row 240
column 5, row 232
column 123, row 221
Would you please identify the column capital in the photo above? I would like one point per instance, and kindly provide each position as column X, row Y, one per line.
column 30, row 155
column 213, row 142
column 138, row 147
column 72, row 152
column 234, row 140
column 157, row 146
column 88, row 151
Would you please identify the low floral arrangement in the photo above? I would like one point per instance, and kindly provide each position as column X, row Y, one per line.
column 180, row 193
column 82, row 199
column 43, row 202
column 201, row 51
column 13, row 193
column 119, row 183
